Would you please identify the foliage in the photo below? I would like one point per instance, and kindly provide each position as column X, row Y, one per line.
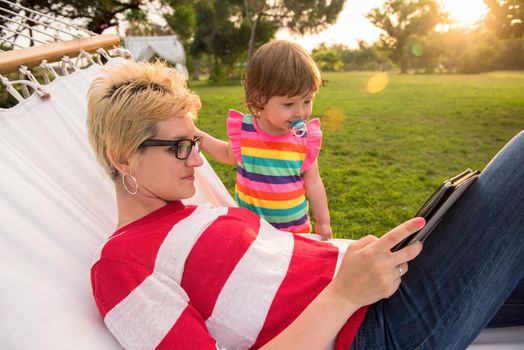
column 411, row 41
column 509, row 54
column 221, row 39
column 468, row 51
column 218, row 32
column 327, row 60
column 384, row 154
column 342, row 58
column 6, row 100
column 140, row 25
column 220, row 35
column 183, row 21
column 401, row 21
column 506, row 18
column 476, row 59
column 299, row 16
column 97, row 15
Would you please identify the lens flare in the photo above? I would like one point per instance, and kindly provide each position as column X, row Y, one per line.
column 377, row 83
column 332, row 119
column 417, row 50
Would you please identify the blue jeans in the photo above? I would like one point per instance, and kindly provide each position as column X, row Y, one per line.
column 469, row 273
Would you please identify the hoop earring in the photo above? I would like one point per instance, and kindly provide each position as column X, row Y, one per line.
column 125, row 186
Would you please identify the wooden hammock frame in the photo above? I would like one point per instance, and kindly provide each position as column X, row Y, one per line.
column 11, row 60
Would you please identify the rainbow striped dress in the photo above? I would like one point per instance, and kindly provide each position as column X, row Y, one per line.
column 270, row 171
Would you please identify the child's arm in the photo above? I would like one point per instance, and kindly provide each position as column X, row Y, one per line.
column 316, row 195
column 218, row 149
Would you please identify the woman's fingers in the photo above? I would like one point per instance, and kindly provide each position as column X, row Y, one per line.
column 361, row 243
column 396, row 235
column 370, row 271
column 400, row 258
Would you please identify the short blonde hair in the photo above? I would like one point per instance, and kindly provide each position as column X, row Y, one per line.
column 126, row 101
column 279, row 68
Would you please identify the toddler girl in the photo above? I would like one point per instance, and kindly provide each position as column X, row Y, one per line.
column 276, row 147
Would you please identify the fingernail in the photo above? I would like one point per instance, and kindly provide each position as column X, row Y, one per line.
column 420, row 222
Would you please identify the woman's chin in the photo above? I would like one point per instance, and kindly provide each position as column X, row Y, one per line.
column 188, row 191
column 183, row 192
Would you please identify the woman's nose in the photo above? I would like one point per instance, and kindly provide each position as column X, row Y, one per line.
column 194, row 159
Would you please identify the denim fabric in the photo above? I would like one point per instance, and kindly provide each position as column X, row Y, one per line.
column 470, row 271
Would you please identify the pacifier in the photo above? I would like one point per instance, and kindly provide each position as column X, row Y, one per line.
column 298, row 128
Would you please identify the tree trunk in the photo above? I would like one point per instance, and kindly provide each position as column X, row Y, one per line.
column 196, row 69
column 403, row 57
column 253, row 37
column 403, row 65
column 216, row 74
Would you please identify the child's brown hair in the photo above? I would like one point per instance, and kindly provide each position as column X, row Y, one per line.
column 279, row 68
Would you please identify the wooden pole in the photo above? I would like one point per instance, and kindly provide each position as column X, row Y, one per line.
column 11, row 60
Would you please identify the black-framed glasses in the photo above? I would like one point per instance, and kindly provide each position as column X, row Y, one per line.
column 181, row 148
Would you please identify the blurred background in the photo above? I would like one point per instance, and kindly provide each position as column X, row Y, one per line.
column 422, row 36
column 416, row 92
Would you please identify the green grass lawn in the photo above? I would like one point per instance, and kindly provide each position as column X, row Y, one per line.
column 383, row 154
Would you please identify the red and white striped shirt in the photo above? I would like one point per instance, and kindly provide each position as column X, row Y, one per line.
column 207, row 278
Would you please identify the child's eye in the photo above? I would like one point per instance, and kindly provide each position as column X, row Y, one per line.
column 289, row 104
column 307, row 102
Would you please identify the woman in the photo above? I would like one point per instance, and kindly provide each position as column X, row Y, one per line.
column 200, row 277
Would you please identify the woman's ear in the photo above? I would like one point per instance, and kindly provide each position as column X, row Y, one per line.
column 120, row 164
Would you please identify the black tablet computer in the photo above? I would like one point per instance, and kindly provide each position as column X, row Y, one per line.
column 439, row 203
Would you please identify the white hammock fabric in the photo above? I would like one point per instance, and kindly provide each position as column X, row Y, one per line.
column 57, row 208
column 168, row 47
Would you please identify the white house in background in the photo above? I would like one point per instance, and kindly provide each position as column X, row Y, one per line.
column 166, row 46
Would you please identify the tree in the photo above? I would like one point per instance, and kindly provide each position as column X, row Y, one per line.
column 183, row 20
column 339, row 57
column 327, row 59
column 218, row 31
column 222, row 36
column 505, row 18
column 141, row 25
column 401, row 20
column 298, row 16
column 97, row 14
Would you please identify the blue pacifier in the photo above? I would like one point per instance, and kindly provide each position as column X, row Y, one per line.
column 298, row 128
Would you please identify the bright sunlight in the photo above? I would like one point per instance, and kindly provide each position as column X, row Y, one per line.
column 352, row 24
column 465, row 12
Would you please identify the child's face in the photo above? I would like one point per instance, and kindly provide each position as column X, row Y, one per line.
column 281, row 111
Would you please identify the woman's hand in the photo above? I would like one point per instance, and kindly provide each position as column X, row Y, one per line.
column 370, row 271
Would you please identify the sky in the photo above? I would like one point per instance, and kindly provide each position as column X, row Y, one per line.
column 352, row 24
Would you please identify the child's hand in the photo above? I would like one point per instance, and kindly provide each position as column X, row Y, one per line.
column 324, row 230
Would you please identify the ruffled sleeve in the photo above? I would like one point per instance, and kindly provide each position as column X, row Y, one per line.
column 313, row 143
column 234, row 128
